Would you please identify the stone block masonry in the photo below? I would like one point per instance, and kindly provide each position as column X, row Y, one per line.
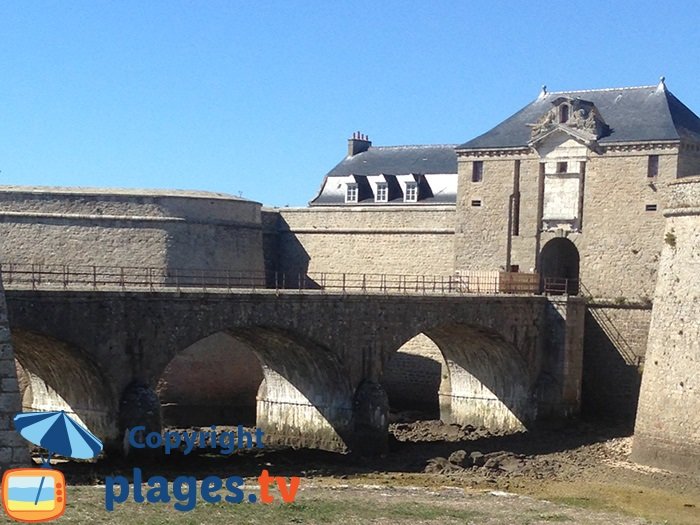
column 667, row 432
column 387, row 240
column 615, row 342
column 129, row 228
column 13, row 449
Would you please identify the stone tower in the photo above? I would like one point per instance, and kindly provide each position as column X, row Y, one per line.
column 667, row 432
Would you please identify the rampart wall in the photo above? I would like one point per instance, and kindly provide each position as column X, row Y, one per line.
column 667, row 432
column 414, row 240
column 140, row 228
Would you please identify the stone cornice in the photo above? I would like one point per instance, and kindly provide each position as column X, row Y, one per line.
column 639, row 146
column 495, row 152
column 603, row 148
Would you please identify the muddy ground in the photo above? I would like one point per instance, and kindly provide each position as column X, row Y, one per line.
column 579, row 464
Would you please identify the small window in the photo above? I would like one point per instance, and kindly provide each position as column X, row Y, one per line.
column 411, row 192
column 650, row 207
column 351, row 192
column 477, row 171
column 563, row 113
column 476, row 203
column 653, row 166
column 562, row 167
column 382, row 192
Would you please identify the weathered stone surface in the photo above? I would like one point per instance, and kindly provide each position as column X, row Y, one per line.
column 13, row 449
column 667, row 431
column 176, row 229
column 316, row 349
column 405, row 240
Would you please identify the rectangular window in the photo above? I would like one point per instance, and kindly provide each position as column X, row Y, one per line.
column 382, row 192
column 477, row 171
column 351, row 192
column 653, row 166
column 476, row 203
column 650, row 207
column 411, row 192
column 562, row 167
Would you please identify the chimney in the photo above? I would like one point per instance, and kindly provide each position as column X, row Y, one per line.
column 358, row 143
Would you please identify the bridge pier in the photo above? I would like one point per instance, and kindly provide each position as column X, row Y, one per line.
column 485, row 382
column 14, row 451
column 289, row 417
column 371, row 419
column 139, row 406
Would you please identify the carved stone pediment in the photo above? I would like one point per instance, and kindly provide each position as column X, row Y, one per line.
column 575, row 116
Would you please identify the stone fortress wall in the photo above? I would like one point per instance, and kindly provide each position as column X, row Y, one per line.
column 205, row 230
column 137, row 228
column 395, row 240
column 392, row 240
column 140, row 228
column 201, row 230
column 667, row 432
column 619, row 244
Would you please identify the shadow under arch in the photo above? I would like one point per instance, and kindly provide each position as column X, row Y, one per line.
column 305, row 398
column 485, row 381
column 213, row 381
column 560, row 260
column 412, row 379
column 54, row 375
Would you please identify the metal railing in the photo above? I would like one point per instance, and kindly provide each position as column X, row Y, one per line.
column 560, row 286
column 80, row 277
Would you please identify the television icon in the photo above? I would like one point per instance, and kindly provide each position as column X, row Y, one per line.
column 33, row 494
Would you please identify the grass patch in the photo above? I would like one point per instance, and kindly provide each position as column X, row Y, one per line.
column 86, row 505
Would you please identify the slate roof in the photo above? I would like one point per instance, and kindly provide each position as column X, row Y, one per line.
column 399, row 160
column 636, row 114
column 392, row 161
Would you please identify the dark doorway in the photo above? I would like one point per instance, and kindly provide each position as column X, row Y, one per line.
column 559, row 267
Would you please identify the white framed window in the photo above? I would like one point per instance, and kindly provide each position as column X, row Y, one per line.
column 382, row 192
column 351, row 192
column 411, row 192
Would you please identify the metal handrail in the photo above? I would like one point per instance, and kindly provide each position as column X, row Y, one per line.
column 48, row 276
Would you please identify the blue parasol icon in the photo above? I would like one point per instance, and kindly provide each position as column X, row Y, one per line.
column 57, row 433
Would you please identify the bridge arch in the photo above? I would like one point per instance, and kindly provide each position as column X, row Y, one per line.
column 485, row 381
column 54, row 375
column 411, row 378
column 305, row 398
column 214, row 380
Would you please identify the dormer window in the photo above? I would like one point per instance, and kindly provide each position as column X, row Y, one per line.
column 563, row 113
column 411, row 192
column 351, row 192
column 382, row 194
column 562, row 167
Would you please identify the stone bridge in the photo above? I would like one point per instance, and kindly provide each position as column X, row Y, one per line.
column 508, row 360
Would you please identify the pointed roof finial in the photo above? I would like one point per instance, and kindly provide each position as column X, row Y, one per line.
column 662, row 84
column 543, row 93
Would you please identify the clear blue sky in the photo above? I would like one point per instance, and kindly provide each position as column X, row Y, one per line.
column 259, row 97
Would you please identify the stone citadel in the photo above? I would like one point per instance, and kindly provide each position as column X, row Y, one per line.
column 572, row 188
